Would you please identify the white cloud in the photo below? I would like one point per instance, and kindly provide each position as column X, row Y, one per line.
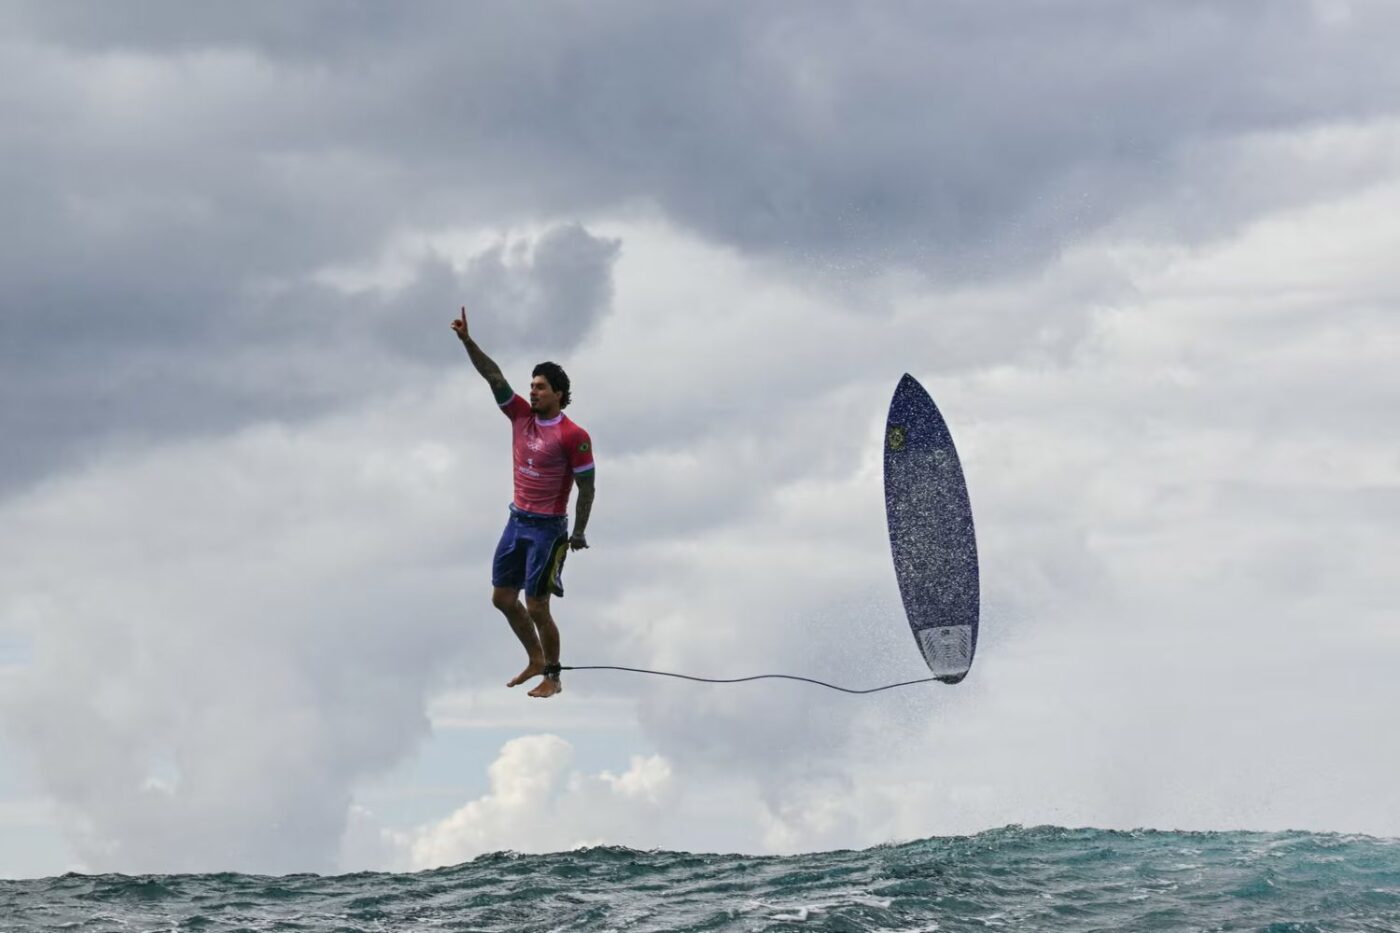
column 1185, row 514
column 1185, row 508
column 227, row 634
column 484, row 705
column 539, row 803
column 24, row 813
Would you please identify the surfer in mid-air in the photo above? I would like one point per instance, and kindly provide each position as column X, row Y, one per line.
column 551, row 453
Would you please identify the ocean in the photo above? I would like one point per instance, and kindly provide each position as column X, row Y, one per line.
column 1041, row 878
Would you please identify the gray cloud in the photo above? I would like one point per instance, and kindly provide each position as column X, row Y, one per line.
column 183, row 723
column 906, row 186
column 552, row 307
column 285, row 353
column 945, row 136
column 165, row 164
column 1137, row 501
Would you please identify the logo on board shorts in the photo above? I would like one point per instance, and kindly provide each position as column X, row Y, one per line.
column 895, row 438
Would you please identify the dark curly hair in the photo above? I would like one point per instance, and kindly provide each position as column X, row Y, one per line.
column 556, row 377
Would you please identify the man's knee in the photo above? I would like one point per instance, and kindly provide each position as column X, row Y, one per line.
column 503, row 597
column 538, row 608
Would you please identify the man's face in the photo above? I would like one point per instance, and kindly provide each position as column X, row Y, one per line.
column 542, row 395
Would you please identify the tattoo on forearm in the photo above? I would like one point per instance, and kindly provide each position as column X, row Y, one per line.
column 484, row 364
column 584, row 506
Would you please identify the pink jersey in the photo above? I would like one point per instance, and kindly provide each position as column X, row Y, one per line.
column 547, row 455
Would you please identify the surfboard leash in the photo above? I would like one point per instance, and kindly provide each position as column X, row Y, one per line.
column 740, row 680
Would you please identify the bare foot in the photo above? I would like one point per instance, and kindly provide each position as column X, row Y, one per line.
column 534, row 669
column 547, row 688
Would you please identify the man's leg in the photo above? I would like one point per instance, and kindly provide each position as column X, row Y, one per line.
column 538, row 609
column 507, row 599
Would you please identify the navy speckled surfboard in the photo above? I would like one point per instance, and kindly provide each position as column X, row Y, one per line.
column 931, row 534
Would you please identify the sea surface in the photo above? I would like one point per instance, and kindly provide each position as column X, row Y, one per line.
column 1015, row 878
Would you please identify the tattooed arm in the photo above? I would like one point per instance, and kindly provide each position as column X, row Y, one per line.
column 483, row 363
column 582, row 507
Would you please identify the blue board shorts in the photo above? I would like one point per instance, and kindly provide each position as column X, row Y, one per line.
column 530, row 555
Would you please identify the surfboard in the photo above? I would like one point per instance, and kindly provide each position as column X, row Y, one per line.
column 931, row 534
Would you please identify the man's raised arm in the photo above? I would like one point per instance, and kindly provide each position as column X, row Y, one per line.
column 483, row 363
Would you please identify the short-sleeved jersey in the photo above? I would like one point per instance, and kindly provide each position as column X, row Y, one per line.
column 547, row 455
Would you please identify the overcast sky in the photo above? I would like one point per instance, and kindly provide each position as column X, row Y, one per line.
column 1141, row 254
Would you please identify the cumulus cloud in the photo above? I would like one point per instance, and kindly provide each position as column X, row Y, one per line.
column 1165, row 505
column 219, row 650
column 1151, row 289
column 1145, row 525
column 539, row 803
column 287, row 351
column 174, row 175
column 946, row 135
